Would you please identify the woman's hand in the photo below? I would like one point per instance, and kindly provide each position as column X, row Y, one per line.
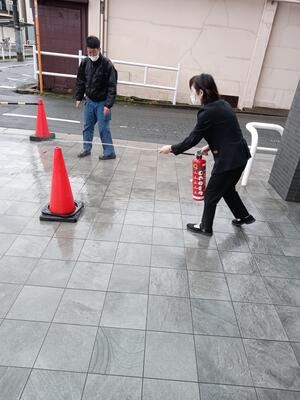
column 205, row 150
column 165, row 149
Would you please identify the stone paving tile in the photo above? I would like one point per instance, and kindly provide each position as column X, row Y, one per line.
column 51, row 273
column 133, row 254
column 231, row 242
column 12, row 382
column 36, row 303
column 222, row 360
column 239, row 263
column 122, row 310
column 168, row 237
column 212, row 317
column 228, row 392
column 248, row 288
column 98, row 251
column 82, row 307
column 259, row 321
column 283, row 291
column 118, row 352
column 170, row 356
column 136, row 234
column 63, row 249
column 16, row 269
column 198, row 241
column 93, row 276
column 154, row 389
column 271, row 394
column 20, row 342
column 53, row 385
column 112, row 388
column 6, row 240
column 273, row 364
column 203, row 260
column 169, row 314
column 168, row 257
column 28, row 246
column 208, row 285
column 67, row 348
column 168, row 282
column 278, row 266
column 290, row 319
column 129, row 279
column 105, row 231
column 8, row 295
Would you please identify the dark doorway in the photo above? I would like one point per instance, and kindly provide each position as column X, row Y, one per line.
column 63, row 29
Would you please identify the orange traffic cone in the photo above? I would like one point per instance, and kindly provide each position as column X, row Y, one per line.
column 42, row 130
column 62, row 206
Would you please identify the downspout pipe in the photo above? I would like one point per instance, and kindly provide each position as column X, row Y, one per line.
column 105, row 49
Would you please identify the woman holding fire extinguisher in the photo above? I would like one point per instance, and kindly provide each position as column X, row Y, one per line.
column 218, row 125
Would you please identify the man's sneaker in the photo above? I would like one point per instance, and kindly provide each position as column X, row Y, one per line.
column 84, row 153
column 111, row 157
column 246, row 220
column 197, row 228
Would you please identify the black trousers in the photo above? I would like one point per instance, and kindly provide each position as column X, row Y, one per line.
column 223, row 185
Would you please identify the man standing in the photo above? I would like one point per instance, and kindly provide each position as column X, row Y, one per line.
column 97, row 83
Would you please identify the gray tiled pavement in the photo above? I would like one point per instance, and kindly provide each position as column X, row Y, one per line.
column 126, row 304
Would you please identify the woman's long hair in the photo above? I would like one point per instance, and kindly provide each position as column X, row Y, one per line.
column 207, row 84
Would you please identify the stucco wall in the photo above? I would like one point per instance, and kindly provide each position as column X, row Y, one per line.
column 281, row 70
column 215, row 36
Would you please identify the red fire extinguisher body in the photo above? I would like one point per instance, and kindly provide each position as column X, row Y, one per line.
column 199, row 177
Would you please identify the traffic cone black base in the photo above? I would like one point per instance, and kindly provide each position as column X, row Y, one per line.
column 42, row 138
column 47, row 215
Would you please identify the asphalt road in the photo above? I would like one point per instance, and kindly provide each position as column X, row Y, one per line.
column 129, row 121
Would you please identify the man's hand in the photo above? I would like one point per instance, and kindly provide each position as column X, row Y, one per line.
column 205, row 150
column 77, row 103
column 165, row 149
column 106, row 111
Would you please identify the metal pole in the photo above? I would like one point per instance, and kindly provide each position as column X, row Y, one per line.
column 34, row 61
column 2, row 50
column 18, row 36
column 38, row 43
column 176, row 85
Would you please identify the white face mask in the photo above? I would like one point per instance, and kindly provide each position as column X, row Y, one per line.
column 94, row 58
column 194, row 97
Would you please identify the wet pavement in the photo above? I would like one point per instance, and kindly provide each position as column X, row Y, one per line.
column 126, row 304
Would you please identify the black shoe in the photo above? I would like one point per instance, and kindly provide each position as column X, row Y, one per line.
column 111, row 157
column 84, row 153
column 246, row 220
column 196, row 228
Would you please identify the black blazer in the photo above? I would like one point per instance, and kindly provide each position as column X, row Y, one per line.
column 218, row 125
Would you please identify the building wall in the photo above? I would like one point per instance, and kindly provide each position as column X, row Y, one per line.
column 281, row 70
column 203, row 36
column 214, row 36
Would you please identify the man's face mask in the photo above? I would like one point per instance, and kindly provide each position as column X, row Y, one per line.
column 94, row 58
column 93, row 54
column 194, row 97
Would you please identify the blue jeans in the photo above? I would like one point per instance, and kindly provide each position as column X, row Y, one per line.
column 93, row 113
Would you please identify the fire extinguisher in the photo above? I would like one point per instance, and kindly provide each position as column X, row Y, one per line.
column 199, row 177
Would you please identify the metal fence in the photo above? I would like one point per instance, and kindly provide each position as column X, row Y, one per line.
column 146, row 67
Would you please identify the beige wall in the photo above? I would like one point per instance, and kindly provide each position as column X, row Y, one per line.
column 221, row 37
column 281, row 70
column 203, row 36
